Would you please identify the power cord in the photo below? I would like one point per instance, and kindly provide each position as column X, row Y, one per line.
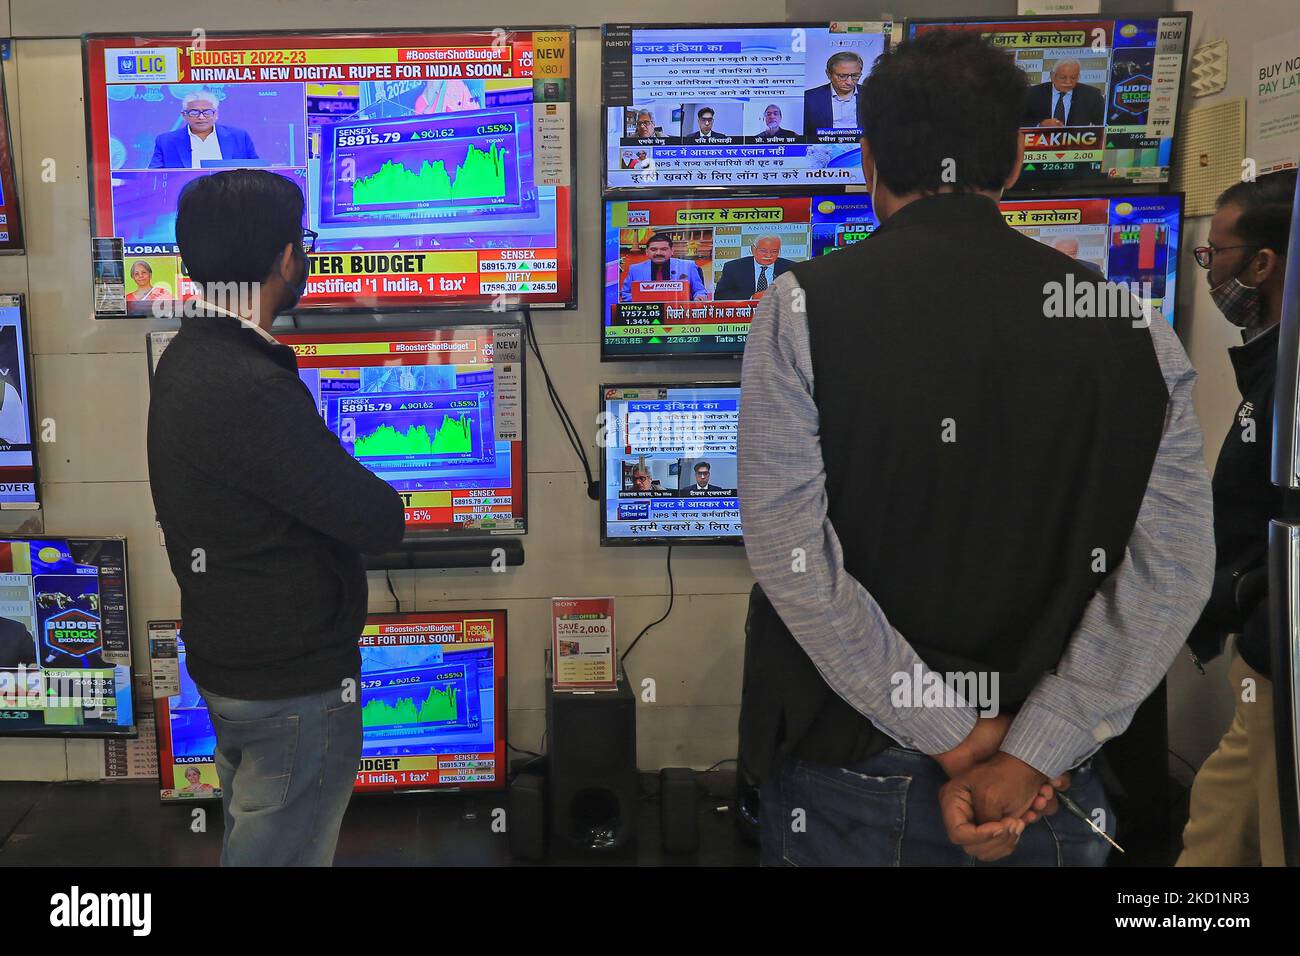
column 388, row 574
column 570, row 430
column 671, row 598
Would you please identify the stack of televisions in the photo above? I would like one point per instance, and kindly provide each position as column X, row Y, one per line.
column 438, row 170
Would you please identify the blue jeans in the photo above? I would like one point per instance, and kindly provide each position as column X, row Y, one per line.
column 884, row 811
column 287, row 769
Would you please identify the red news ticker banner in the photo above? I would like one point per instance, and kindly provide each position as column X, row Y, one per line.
column 1090, row 212
column 739, row 212
column 1030, row 30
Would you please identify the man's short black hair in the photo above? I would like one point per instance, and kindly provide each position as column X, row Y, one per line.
column 231, row 226
column 1266, row 206
column 659, row 237
column 947, row 95
column 703, row 110
column 702, row 464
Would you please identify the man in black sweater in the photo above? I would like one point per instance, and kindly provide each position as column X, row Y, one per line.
column 1235, row 817
column 265, row 517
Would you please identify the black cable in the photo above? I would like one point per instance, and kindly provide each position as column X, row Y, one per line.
column 521, row 750
column 719, row 764
column 1184, row 761
column 671, row 598
column 396, row 600
column 570, row 430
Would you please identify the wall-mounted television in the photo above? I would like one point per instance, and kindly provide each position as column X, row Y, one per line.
column 668, row 468
column 748, row 105
column 11, row 221
column 438, row 414
column 437, row 167
column 65, row 641
column 19, row 481
column 432, row 695
column 1104, row 93
column 684, row 276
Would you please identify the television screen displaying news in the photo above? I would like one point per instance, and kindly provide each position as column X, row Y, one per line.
column 755, row 105
column 65, row 643
column 668, row 475
column 432, row 695
column 437, row 414
column 11, row 223
column 684, row 276
column 18, row 481
column 1103, row 94
column 437, row 168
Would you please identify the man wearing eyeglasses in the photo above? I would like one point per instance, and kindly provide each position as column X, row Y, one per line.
column 201, row 140
column 834, row 104
column 1235, row 817
column 265, row 518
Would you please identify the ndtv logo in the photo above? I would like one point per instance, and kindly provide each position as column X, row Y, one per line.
column 77, row 909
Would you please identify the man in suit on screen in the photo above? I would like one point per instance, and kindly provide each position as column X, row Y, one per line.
column 201, row 138
column 661, row 266
column 749, row 276
column 834, row 104
column 1064, row 101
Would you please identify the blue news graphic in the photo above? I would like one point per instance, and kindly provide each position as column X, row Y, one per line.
column 420, row 428
column 440, row 704
column 192, row 732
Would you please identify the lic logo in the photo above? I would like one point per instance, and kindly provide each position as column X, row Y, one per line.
column 126, row 64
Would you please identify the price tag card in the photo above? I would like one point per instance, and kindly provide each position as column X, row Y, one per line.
column 582, row 644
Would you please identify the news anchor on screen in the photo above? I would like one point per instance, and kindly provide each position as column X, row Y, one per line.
column 1064, row 101
column 701, row 486
column 835, row 104
column 663, row 267
column 773, row 131
column 201, row 138
column 706, row 133
column 749, row 276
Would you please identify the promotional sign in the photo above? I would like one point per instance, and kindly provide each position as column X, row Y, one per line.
column 582, row 644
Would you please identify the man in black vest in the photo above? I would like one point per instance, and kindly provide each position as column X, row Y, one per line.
column 265, row 517
column 980, row 531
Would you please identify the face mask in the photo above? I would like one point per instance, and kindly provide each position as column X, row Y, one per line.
column 298, row 288
column 1238, row 302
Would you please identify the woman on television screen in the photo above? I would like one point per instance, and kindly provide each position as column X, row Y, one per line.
column 145, row 290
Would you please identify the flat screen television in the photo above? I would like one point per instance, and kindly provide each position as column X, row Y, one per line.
column 714, row 256
column 432, row 695
column 436, row 166
column 19, row 481
column 683, row 276
column 1123, row 76
column 11, row 221
column 65, row 641
column 748, row 105
column 668, row 469
column 438, row 414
